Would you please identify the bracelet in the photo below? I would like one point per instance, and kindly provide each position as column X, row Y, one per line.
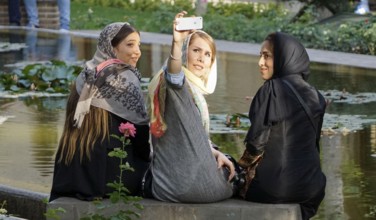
column 173, row 58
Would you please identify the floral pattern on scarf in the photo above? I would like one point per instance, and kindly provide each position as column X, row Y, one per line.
column 115, row 86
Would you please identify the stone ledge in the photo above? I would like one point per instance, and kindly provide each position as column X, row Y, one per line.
column 23, row 203
column 157, row 210
column 29, row 205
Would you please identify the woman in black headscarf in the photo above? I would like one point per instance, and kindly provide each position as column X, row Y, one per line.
column 286, row 117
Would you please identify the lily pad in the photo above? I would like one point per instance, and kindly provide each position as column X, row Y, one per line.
column 5, row 46
column 346, row 97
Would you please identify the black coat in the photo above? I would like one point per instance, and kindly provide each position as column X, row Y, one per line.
column 290, row 170
column 87, row 180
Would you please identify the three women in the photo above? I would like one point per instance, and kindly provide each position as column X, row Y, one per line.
column 185, row 166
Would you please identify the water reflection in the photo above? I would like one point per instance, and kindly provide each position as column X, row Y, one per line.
column 351, row 174
column 40, row 47
column 238, row 78
column 29, row 136
column 28, row 140
column 44, row 135
column 350, row 79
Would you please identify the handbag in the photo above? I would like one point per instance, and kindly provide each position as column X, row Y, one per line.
column 249, row 163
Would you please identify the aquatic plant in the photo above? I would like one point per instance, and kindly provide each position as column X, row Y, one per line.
column 54, row 213
column 53, row 77
column 3, row 211
column 234, row 121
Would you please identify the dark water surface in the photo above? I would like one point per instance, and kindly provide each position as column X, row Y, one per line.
column 30, row 127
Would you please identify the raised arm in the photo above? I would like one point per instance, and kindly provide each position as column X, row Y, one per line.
column 174, row 61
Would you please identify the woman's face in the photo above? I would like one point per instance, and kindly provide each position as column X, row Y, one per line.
column 199, row 57
column 128, row 50
column 266, row 60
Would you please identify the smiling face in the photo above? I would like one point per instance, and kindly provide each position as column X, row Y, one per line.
column 200, row 57
column 266, row 61
column 128, row 50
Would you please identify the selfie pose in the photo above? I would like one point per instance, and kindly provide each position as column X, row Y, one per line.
column 185, row 166
column 286, row 117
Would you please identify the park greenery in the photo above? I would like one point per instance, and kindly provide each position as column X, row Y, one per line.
column 241, row 21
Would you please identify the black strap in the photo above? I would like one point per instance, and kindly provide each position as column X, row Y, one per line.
column 306, row 109
column 146, row 184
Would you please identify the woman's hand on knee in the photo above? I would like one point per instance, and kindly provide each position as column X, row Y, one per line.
column 223, row 161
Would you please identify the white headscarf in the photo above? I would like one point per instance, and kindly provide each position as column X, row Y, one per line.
column 198, row 88
column 207, row 87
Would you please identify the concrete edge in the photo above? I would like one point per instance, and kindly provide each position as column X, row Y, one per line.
column 318, row 56
column 157, row 210
column 23, row 203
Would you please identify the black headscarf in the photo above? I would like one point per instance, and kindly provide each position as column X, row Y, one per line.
column 272, row 102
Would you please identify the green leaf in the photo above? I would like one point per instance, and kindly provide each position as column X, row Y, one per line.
column 114, row 198
column 25, row 83
column 14, row 88
column 138, row 206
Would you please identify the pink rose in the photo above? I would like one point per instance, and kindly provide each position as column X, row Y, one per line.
column 127, row 129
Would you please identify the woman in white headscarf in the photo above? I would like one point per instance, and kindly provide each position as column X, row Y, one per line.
column 185, row 167
column 106, row 93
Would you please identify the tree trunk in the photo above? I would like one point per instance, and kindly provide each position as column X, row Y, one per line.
column 201, row 6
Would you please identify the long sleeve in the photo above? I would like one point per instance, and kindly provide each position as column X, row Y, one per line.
column 254, row 149
column 256, row 145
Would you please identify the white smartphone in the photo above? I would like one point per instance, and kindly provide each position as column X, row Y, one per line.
column 188, row 23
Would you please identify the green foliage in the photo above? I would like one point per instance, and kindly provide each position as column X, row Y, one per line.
column 370, row 35
column 354, row 37
column 371, row 213
column 105, row 3
column 55, row 77
column 3, row 210
column 310, row 15
column 227, row 10
column 55, row 213
column 161, row 14
column 248, row 10
column 161, row 21
column 243, row 22
column 335, row 6
column 154, row 5
column 237, row 27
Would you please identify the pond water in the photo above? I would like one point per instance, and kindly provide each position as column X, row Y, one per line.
column 30, row 126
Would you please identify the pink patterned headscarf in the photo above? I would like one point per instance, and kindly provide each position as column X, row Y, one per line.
column 115, row 86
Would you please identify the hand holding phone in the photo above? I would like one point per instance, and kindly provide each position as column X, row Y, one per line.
column 189, row 23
